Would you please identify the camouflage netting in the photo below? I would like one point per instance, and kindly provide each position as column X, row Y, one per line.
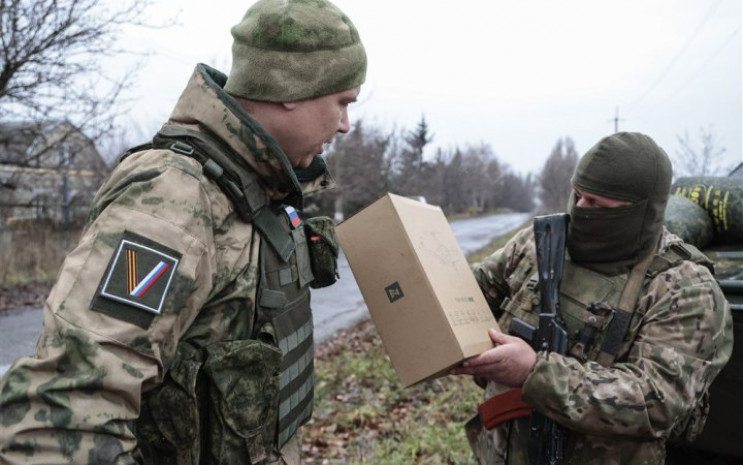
column 689, row 221
column 722, row 198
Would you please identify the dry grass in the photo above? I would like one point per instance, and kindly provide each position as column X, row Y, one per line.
column 33, row 254
column 364, row 416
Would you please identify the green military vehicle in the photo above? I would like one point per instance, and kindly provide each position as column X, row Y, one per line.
column 708, row 213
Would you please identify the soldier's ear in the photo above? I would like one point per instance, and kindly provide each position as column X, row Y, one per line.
column 289, row 106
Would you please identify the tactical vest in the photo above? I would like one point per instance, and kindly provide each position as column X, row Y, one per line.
column 589, row 304
column 597, row 326
column 272, row 367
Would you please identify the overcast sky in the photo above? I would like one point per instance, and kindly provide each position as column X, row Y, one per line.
column 517, row 75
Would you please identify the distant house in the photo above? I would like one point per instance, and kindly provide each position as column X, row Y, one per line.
column 48, row 171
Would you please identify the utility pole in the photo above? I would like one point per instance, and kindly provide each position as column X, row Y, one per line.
column 616, row 120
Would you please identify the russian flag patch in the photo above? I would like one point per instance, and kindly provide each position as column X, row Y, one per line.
column 293, row 216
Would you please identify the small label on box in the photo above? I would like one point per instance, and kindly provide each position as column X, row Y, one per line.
column 394, row 292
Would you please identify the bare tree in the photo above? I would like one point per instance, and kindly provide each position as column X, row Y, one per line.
column 517, row 193
column 699, row 158
column 477, row 159
column 465, row 179
column 554, row 180
column 493, row 193
column 366, row 163
column 115, row 144
column 52, row 64
column 360, row 164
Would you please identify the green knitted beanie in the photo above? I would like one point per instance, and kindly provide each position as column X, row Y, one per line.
column 289, row 50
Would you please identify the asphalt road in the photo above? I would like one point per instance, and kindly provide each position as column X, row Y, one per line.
column 334, row 308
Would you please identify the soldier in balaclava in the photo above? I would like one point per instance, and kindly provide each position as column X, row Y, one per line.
column 648, row 326
column 179, row 330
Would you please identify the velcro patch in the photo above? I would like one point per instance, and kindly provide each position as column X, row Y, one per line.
column 139, row 274
column 294, row 219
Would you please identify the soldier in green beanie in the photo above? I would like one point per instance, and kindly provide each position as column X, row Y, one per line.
column 648, row 326
column 180, row 330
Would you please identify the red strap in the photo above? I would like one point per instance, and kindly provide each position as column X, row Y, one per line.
column 503, row 407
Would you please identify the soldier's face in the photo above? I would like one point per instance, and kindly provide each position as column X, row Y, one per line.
column 587, row 199
column 314, row 123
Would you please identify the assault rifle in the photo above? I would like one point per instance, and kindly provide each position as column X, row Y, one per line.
column 546, row 438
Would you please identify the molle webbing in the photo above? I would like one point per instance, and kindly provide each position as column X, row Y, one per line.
column 297, row 380
column 284, row 303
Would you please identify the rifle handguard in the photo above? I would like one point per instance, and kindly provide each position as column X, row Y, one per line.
column 503, row 407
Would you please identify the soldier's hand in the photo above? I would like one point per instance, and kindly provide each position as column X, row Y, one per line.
column 508, row 363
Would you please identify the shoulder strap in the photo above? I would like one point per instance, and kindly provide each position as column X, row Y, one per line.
column 621, row 319
column 676, row 254
column 273, row 231
column 233, row 177
column 135, row 149
column 231, row 174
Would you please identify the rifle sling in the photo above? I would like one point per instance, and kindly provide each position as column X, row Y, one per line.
column 621, row 319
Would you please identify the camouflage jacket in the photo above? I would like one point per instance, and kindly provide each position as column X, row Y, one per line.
column 76, row 399
column 679, row 338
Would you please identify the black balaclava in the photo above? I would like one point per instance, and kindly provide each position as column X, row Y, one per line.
column 624, row 166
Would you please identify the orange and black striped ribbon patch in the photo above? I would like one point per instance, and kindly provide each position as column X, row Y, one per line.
column 131, row 270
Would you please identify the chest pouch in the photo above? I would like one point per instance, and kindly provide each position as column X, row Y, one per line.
column 594, row 321
column 323, row 248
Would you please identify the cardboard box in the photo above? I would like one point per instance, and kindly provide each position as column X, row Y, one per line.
column 417, row 284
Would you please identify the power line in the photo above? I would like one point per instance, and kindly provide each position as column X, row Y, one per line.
column 678, row 55
column 702, row 67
